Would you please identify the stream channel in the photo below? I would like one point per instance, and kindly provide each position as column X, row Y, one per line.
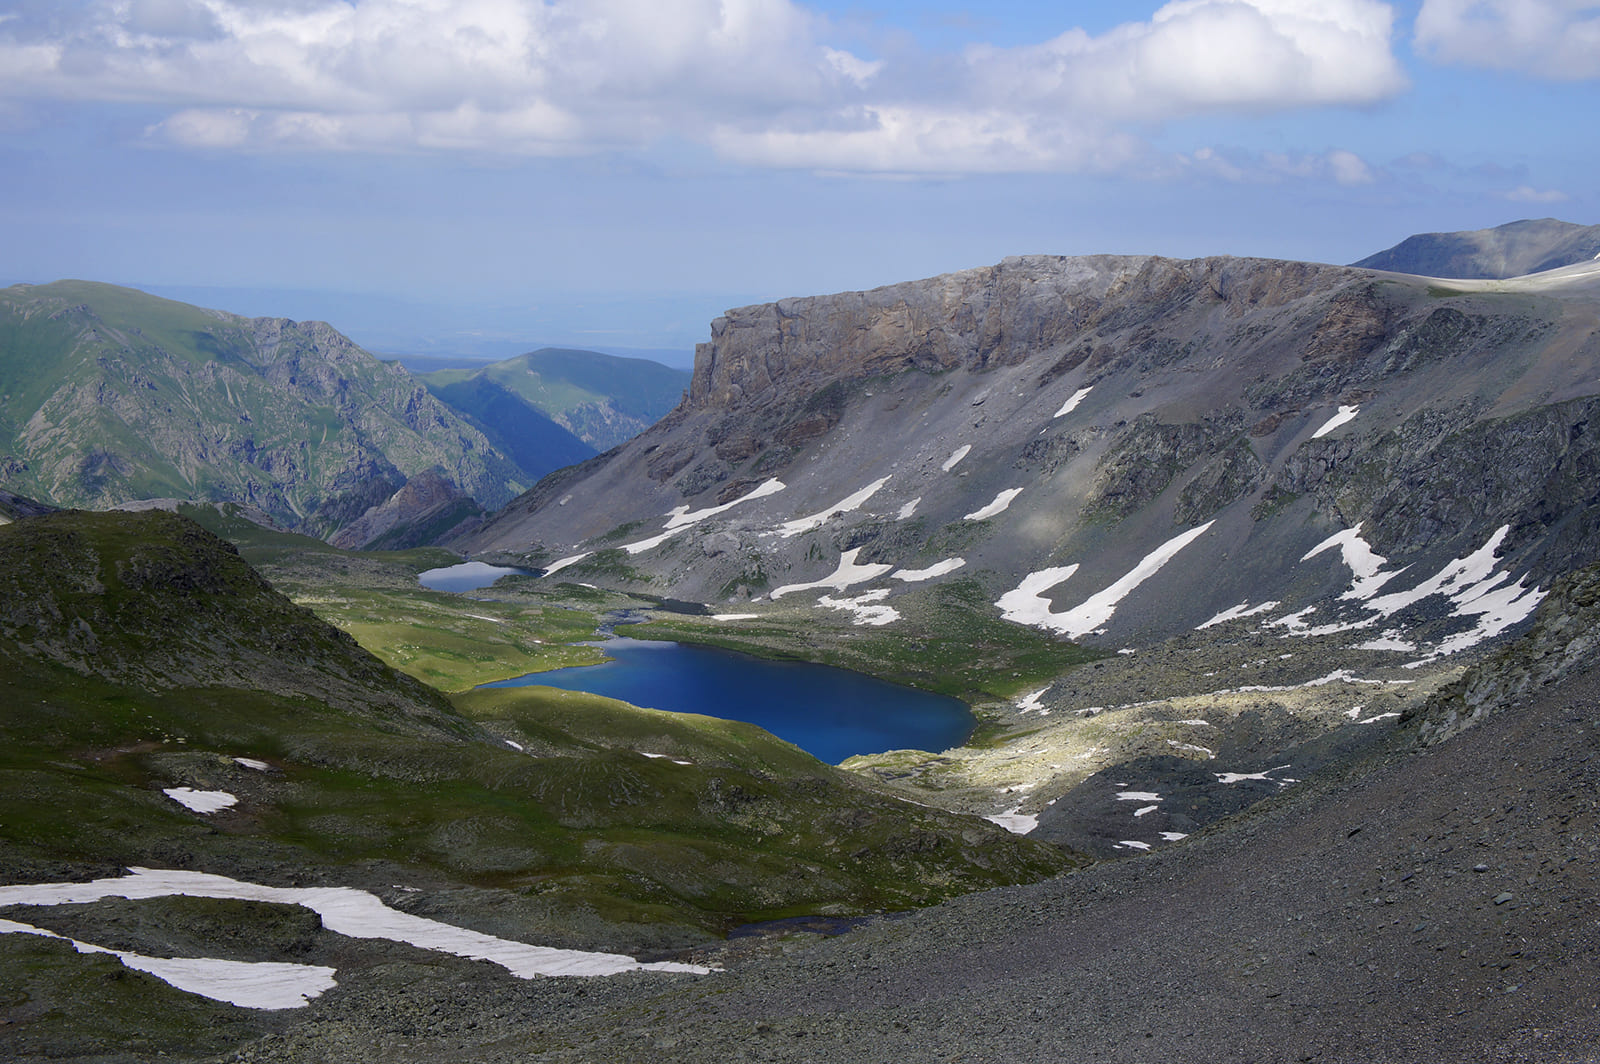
column 830, row 713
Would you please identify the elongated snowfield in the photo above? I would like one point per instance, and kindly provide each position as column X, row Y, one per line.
column 1027, row 605
column 346, row 911
column 821, row 517
column 844, row 576
column 248, row 984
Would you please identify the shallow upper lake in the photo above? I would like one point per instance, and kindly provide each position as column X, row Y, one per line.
column 830, row 713
column 468, row 576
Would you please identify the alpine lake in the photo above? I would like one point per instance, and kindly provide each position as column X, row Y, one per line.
column 830, row 713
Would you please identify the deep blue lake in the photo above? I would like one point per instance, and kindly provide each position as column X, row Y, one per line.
column 830, row 713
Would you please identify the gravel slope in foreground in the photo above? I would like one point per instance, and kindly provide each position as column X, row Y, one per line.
column 1435, row 906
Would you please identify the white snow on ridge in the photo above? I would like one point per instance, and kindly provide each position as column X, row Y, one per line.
column 1072, row 404
column 911, row 576
column 955, row 457
column 999, row 506
column 345, row 911
column 1027, row 606
column 201, row 801
column 248, row 984
column 845, row 575
column 1345, row 415
column 843, row 506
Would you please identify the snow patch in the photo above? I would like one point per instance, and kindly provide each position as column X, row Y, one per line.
column 1138, row 796
column 1173, row 836
column 556, row 567
column 681, row 517
column 1345, row 415
column 248, row 984
column 1365, row 564
column 1027, row 606
column 843, row 506
column 1264, row 775
column 845, row 575
column 1133, row 844
column 1142, row 810
column 999, row 506
column 734, row 616
column 1234, row 613
column 1192, row 748
column 955, row 457
column 250, row 762
column 345, row 911
column 868, row 608
column 1072, row 404
column 908, row 509
column 1014, row 821
column 200, row 801
column 911, row 576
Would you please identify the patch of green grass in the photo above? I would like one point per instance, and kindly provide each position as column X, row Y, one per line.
column 455, row 643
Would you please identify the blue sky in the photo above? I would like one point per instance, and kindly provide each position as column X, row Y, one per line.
column 433, row 174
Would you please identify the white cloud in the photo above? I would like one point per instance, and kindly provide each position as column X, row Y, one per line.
column 1529, row 194
column 757, row 80
column 1546, row 38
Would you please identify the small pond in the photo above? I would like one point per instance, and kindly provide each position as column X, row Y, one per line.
column 830, row 713
column 468, row 576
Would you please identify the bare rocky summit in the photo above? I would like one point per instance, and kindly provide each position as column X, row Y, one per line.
column 1510, row 250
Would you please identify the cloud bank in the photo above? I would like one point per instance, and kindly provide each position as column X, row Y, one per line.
column 761, row 82
column 1557, row 39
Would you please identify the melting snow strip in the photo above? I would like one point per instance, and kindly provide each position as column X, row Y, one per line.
column 1027, row 605
column 843, row 506
column 1234, row 613
column 345, row 911
column 1014, row 821
column 248, row 984
column 201, row 801
column 1346, row 414
column 250, row 762
column 681, row 517
column 911, row 576
column 955, row 457
column 1072, row 404
column 556, row 567
column 867, row 607
column 846, row 574
column 1001, row 503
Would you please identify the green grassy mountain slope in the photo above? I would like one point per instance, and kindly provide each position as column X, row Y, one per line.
column 108, row 394
column 601, row 399
column 139, row 653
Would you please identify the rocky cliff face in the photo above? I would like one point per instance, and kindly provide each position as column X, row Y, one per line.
column 1112, row 415
column 110, row 395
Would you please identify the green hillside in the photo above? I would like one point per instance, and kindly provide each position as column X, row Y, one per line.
column 601, row 399
column 108, row 394
column 138, row 652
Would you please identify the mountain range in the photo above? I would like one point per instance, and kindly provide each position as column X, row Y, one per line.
column 109, row 395
column 1272, row 585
